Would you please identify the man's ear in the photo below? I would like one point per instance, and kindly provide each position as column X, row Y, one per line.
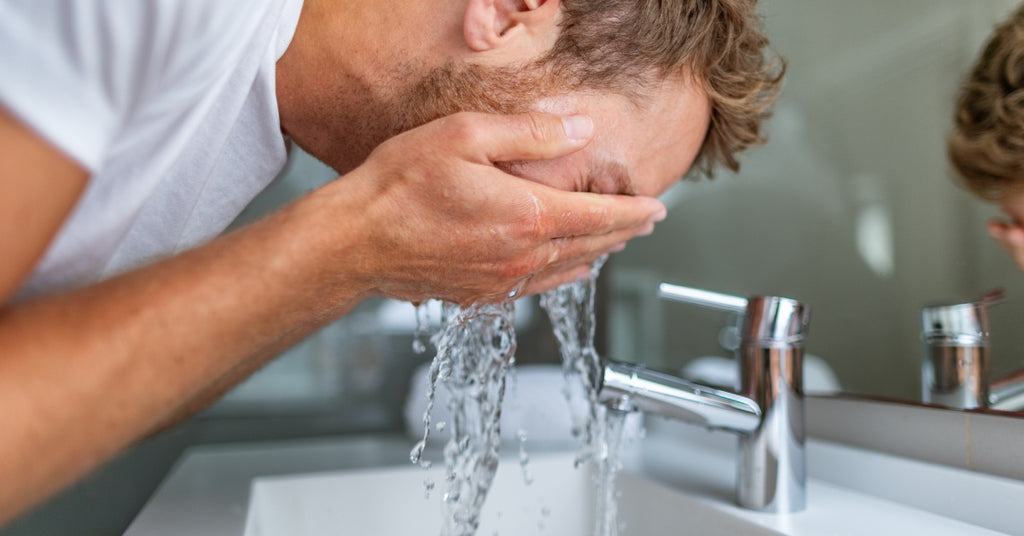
column 491, row 24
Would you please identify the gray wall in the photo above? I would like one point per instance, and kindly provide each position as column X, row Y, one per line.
column 850, row 207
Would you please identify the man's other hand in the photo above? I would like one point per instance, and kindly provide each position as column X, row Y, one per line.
column 1011, row 237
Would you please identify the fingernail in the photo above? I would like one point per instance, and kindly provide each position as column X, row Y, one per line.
column 657, row 216
column 618, row 247
column 578, row 127
column 648, row 229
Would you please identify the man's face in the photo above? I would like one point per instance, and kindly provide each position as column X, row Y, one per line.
column 639, row 148
column 641, row 145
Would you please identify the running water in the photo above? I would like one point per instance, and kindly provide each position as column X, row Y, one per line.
column 608, row 467
column 475, row 352
column 571, row 310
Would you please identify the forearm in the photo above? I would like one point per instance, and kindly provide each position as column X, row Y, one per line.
column 84, row 374
column 217, row 388
column 428, row 215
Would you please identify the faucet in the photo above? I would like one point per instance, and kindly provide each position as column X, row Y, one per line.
column 955, row 370
column 766, row 411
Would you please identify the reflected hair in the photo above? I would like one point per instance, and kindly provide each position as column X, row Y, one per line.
column 986, row 147
column 617, row 45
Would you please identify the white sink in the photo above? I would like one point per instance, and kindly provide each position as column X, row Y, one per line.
column 559, row 500
column 678, row 481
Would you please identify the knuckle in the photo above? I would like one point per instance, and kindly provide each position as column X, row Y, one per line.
column 521, row 269
column 462, row 128
column 602, row 217
column 539, row 128
column 538, row 227
column 537, row 221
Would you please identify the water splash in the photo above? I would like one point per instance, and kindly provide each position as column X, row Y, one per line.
column 608, row 468
column 475, row 354
column 571, row 311
column 475, row 351
column 524, row 458
column 422, row 332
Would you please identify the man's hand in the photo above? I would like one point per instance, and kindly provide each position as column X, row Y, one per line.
column 87, row 372
column 439, row 220
column 1011, row 237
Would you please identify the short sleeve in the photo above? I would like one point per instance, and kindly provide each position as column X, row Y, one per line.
column 56, row 58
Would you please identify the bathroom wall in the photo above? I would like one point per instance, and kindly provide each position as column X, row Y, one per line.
column 850, row 207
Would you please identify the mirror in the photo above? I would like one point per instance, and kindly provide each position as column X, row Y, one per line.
column 851, row 207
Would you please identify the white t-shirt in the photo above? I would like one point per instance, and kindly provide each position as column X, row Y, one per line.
column 170, row 104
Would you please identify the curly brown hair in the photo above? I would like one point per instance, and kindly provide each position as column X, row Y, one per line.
column 987, row 145
column 720, row 43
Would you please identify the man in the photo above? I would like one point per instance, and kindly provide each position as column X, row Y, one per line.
column 132, row 134
column 987, row 145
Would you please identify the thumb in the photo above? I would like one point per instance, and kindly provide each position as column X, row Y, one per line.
column 528, row 136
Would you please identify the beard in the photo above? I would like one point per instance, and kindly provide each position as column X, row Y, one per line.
column 470, row 88
column 352, row 128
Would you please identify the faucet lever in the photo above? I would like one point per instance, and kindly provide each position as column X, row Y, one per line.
column 704, row 298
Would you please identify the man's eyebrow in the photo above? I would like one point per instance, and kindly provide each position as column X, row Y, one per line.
column 616, row 173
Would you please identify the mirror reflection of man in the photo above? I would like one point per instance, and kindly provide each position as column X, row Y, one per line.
column 131, row 135
column 987, row 145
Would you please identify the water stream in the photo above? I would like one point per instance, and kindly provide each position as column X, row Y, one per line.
column 475, row 351
column 475, row 354
column 571, row 311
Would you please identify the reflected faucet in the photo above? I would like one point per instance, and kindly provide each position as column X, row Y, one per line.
column 955, row 370
column 766, row 411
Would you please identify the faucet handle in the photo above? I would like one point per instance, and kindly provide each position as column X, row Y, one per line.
column 704, row 298
column 767, row 319
column 959, row 323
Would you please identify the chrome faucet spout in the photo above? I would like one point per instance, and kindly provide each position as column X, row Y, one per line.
column 955, row 371
column 1007, row 393
column 634, row 387
column 766, row 411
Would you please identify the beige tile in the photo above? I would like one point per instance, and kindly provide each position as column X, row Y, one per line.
column 997, row 444
column 921, row 432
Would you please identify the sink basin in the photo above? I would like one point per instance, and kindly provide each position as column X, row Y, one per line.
column 560, row 500
column 679, row 481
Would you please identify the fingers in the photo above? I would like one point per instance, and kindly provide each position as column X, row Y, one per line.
column 572, row 250
column 506, row 138
column 570, row 214
column 1011, row 238
column 553, row 279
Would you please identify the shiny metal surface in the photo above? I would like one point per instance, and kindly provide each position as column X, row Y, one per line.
column 1007, row 393
column 958, row 323
column 774, row 321
column 767, row 411
column 705, row 298
column 956, row 375
column 955, row 370
column 633, row 387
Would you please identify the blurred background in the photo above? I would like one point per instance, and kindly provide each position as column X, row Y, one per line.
column 851, row 208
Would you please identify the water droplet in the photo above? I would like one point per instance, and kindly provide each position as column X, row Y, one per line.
column 417, row 452
column 428, row 486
